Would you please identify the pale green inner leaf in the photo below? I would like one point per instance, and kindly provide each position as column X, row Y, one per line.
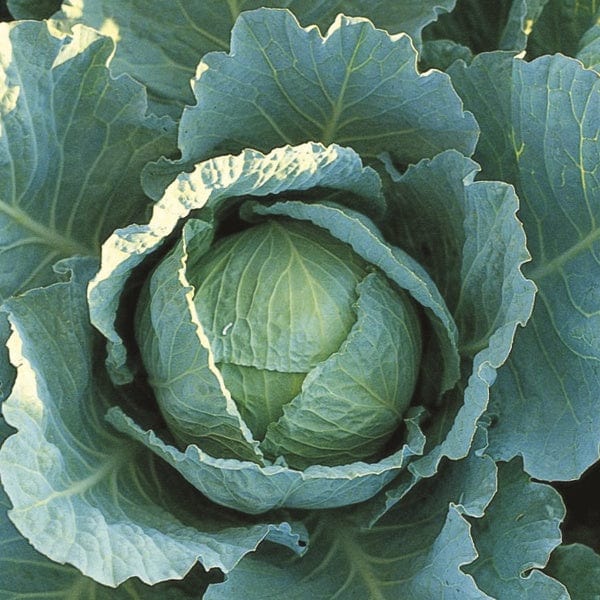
column 278, row 296
column 353, row 402
column 260, row 395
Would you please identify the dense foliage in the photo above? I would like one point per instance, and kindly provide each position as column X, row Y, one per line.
column 299, row 299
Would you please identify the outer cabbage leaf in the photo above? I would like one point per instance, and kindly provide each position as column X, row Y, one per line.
column 256, row 489
column 83, row 494
column 25, row 573
column 515, row 537
column 416, row 551
column 54, row 179
column 282, row 84
column 161, row 43
column 485, row 87
column 442, row 217
column 440, row 54
column 561, row 26
column 462, row 232
column 70, row 159
column 578, row 568
column 543, row 138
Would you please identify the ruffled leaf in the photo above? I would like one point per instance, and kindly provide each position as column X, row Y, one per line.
column 543, row 138
column 515, row 537
column 25, row 573
column 282, row 84
column 466, row 232
column 416, row 551
column 216, row 184
column 63, row 191
column 254, row 489
column 148, row 50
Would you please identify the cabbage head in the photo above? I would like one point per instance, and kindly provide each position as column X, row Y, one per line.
column 285, row 308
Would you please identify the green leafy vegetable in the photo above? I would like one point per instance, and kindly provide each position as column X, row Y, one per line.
column 286, row 312
column 62, row 191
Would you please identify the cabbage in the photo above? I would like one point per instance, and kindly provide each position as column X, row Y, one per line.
column 311, row 326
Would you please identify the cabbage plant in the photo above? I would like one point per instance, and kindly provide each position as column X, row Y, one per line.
column 323, row 323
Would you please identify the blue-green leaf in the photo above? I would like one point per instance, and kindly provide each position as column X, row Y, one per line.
column 486, row 87
column 440, row 54
column 578, row 568
column 72, row 143
column 486, row 26
column 255, row 489
column 165, row 63
column 282, row 84
column 515, row 537
column 521, row 21
column 416, row 551
column 543, row 138
column 25, row 573
column 561, row 26
column 467, row 236
column 589, row 48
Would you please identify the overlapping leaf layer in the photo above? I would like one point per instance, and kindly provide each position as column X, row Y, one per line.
column 135, row 134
